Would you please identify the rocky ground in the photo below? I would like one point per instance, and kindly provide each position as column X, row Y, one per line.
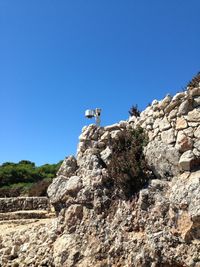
column 96, row 225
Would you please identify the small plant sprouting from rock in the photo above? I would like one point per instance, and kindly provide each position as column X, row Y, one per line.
column 134, row 111
column 127, row 167
column 195, row 81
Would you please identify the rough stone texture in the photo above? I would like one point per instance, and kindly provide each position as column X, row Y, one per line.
column 183, row 142
column 97, row 226
column 181, row 123
column 62, row 187
column 186, row 160
column 194, row 115
column 164, row 124
column 23, row 203
column 162, row 159
column 68, row 167
column 168, row 136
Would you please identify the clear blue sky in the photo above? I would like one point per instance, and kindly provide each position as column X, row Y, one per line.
column 58, row 58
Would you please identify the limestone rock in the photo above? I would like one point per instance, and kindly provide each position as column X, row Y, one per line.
column 186, row 160
column 197, row 133
column 68, row 167
column 168, row 136
column 112, row 127
column 164, row 124
column 196, row 102
column 183, row 142
column 73, row 185
column 163, row 104
column 185, row 196
column 195, row 92
column 178, row 96
column 62, row 186
column 194, row 115
column 171, row 106
column 181, row 123
column 197, row 145
column 183, row 108
column 162, row 158
column 173, row 114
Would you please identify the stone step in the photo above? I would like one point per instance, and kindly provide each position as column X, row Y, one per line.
column 18, row 222
column 23, row 203
column 27, row 214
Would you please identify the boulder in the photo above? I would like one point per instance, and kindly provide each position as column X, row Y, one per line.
column 164, row 103
column 68, row 167
column 183, row 142
column 164, row 124
column 183, row 108
column 181, row 123
column 162, row 158
column 186, row 160
column 168, row 136
column 62, row 186
column 106, row 154
column 194, row 115
column 197, row 133
column 196, row 102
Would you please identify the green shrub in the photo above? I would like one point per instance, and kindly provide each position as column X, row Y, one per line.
column 127, row 167
column 17, row 178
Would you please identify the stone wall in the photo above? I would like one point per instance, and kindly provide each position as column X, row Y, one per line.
column 173, row 128
column 23, row 203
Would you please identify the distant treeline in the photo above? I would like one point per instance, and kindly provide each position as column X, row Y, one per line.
column 25, row 178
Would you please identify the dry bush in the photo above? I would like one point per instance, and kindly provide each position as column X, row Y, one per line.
column 134, row 111
column 195, row 81
column 39, row 189
column 128, row 167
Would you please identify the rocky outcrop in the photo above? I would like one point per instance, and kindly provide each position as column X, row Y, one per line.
column 97, row 226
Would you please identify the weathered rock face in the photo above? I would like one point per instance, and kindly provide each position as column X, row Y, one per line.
column 96, row 226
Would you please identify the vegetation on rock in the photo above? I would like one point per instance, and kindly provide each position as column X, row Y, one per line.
column 195, row 81
column 134, row 111
column 127, row 166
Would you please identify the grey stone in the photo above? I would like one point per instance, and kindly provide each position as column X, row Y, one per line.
column 62, row 186
column 196, row 102
column 197, row 144
column 162, row 159
column 186, row 160
column 74, row 184
column 181, row 123
column 164, row 124
column 68, row 167
column 194, row 115
column 183, row 142
column 106, row 155
column 178, row 96
column 112, row 127
column 168, row 136
column 171, row 106
column 197, row 133
column 183, row 108
column 173, row 114
column 163, row 104
column 196, row 152
column 195, row 92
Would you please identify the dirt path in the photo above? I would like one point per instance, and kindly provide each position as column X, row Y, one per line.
column 7, row 227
